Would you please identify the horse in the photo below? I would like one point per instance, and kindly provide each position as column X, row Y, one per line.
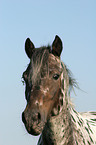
column 49, row 110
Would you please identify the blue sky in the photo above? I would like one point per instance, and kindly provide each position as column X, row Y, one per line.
column 75, row 22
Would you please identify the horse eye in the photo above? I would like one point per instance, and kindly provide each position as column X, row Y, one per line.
column 56, row 76
column 22, row 80
column 24, row 76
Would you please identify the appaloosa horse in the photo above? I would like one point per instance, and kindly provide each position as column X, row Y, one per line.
column 49, row 111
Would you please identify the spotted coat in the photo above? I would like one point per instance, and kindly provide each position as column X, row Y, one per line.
column 49, row 110
column 69, row 127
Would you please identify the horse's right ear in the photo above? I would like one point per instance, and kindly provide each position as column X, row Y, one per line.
column 29, row 47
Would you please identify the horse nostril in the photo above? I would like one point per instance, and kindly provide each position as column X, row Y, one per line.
column 39, row 116
column 23, row 118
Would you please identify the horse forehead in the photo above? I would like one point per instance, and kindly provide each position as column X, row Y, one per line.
column 42, row 63
column 38, row 64
column 39, row 57
column 45, row 61
column 54, row 58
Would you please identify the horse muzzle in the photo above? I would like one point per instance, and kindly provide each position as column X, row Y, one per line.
column 33, row 122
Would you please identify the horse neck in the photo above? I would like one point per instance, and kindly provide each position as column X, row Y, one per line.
column 68, row 127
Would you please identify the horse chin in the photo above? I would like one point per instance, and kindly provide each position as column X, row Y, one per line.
column 33, row 132
column 35, row 129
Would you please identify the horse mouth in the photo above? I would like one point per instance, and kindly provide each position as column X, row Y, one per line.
column 33, row 131
column 33, row 127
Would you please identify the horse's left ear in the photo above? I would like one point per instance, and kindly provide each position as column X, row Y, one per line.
column 57, row 46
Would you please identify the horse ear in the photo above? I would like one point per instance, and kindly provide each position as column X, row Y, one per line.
column 29, row 47
column 57, row 46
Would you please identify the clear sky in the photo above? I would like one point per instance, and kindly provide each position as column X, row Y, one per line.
column 75, row 22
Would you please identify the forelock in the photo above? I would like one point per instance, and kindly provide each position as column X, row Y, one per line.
column 39, row 61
